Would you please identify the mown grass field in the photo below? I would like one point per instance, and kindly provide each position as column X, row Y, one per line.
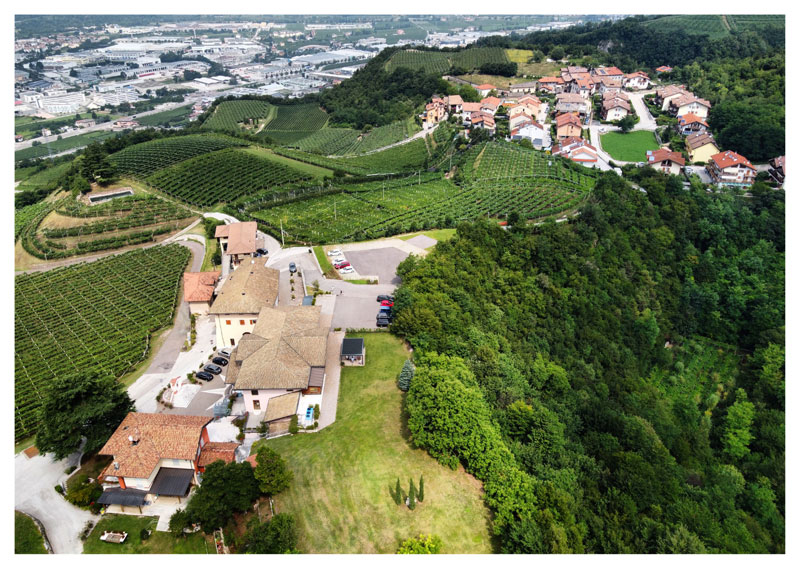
column 158, row 543
column 340, row 493
column 27, row 538
column 630, row 147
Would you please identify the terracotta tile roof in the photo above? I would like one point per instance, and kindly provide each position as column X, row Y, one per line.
column 662, row 155
column 471, row 107
column 699, row 139
column 618, row 95
column 670, row 90
column 779, row 162
column 526, row 85
column 160, row 436
column 729, row 158
column 616, row 102
column 607, row 71
column 569, row 98
column 213, row 451
column 664, row 69
column 551, row 80
column 567, row 118
column 485, row 86
column 611, row 82
column 690, row 118
column 637, row 74
column 285, row 343
column 689, row 99
column 199, row 286
column 491, row 101
column 241, row 237
column 455, row 100
column 282, row 406
column 247, row 289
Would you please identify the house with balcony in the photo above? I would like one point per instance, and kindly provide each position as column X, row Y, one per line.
column 701, row 146
column 690, row 123
column 689, row 103
column 777, row 169
column 238, row 241
column 731, row 169
column 568, row 126
column 665, row 161
column 636, row 81
column 578, row 150
column 552, row 85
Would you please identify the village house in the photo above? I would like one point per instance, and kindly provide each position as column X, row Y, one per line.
column 523, row 88
column 240, row 299
column 552, row 85
column 665, row 94
column 124, row 123
column 568, row 126
column 666, row 161
column 689, row 103
column 237, row 240
column 518, row 119
column 485, row 89
column 609, row 84
column 663, row 69
column 467, row 109
column 156, row 456
column 777, row 169
column 636, row 81
column 576, row 149
column 280, row 367
column 616, row 105
column 490, row 104
column 198, row 290
column 572, row 102
column 435, row 111
column 483, row 120
column 731, row 169
column 454, row 103
column 701, row 146
column 538, row 135
column 614, row 72
column 690, row 123
column 583, row 86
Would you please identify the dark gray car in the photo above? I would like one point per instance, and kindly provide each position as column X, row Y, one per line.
column 213, row 369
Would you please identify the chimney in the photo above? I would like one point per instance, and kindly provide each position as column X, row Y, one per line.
column 116, row 465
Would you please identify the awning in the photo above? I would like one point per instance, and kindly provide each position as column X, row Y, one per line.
column 316, row 376
column 125, row 497
column 172, row 482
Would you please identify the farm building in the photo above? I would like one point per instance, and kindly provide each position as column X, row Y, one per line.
column 241, row 297
column 198, row 290
column 353, row 351
column 237, row 241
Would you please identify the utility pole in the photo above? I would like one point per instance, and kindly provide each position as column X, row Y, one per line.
column 334, row 209
column 282, row 243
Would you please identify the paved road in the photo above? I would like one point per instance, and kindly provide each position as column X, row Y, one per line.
column 34, row 480
column 646, row 120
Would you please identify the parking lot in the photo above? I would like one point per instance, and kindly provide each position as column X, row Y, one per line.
column 380, row 262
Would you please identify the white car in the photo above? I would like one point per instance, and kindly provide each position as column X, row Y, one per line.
column 334, row 252
column 336, row 260
column 347, row 270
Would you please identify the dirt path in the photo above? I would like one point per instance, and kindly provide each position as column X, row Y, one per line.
column 421, row 134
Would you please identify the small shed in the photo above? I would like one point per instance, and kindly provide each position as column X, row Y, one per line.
column 353, row 351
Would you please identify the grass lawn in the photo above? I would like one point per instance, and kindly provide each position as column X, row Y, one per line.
column 158, row 543
column 91, row 466
column 438, row 234
column 24, row 444
column 309, row 169
column 27, row 538
column 342, row 475
column 325, row 263
column 542, row 69
column 630, row 147
column 496, row 80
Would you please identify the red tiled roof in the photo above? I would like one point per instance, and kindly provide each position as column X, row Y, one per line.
column 485, row 86
column 729, row 158
column 241, row 237
column 662, row 155
column 690, row 118
column 213, row 451
column 199, row 286
column 567, row 118
column 551, row 80
column 471, row 107
column 493, row 101
column 664, row 69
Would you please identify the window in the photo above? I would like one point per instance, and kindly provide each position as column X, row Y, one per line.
column 233, row 342
column 254, row 392
column 227, row 322
column 253, row 322
column 241, row 322
column 256, row 404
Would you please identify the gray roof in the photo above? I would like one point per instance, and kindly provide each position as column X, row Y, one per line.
column 248, row 289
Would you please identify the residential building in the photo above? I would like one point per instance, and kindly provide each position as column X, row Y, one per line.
column 663, row 69
column 518, row 120
column 536, row 133
column 485, row 89
column 614, row 72
column 454, row 103
column 731, row 169
column 572, row 103
column 435, row 111
column 280, row 367
column 689, row 103
column 636, row 81
column 701, row 146
column 198, row 290
column 777, row 169
column 615, row 108
column 665, row 94
column 490, row 104
column 577, row 150
column 553, row 85
column 240, row 298
column 609, row 84
column 568, row 126
column 154, row 456
column 237, row 240
column 666, row 161
column 527, row 87
column 483, row 120
column 690, row 123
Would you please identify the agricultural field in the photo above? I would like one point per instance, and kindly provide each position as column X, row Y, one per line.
column 441, row 62
column 169, row 118
column 496, row 80
column 629, row 147
column 295, row 122
column 31, row 127
column 229, row 115
column 146, row 158
column 223, row 176
column 755, row 22
column 32, row 179
column 68, row 228
column 327, row 141
column 712, row 26
column 89, row 316
column 382, row 136
column 340, row 492
column 26, row 214
column 57, row 146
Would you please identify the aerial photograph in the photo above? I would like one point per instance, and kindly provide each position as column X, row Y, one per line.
column 349, row 284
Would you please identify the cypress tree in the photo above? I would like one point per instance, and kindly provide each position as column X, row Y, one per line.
column 421, row 494
column 412, row 500
column 398, row 493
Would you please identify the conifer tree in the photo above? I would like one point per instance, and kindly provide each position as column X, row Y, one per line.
column 398, row 493
column 406, row 374
column 421, row 493
column 412, row 498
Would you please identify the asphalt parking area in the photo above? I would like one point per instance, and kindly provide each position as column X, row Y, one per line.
column 355, row 312
column 380, row 262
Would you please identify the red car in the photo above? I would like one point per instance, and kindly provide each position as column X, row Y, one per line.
column 341, row 265
column 387, row 303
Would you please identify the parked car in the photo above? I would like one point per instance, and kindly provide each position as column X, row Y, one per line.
column 340, row 259
column 347, row 270
column 383, row 322
column 213, row 369
column 225, row 352
column 334, row 252
column 220, row 361
column 292, row 267
column 387, row 303
column 383, row 297
column 339, row 265
column 202, row 375
column 263, row 252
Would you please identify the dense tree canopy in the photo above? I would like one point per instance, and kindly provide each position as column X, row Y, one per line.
column 226, row 489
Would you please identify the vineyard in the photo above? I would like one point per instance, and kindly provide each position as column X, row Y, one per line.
column 222, row 176
column 440, row 62
column 711, row 26
column 57, row 146
column 169, row 118
column 327, row 141
column 295, row 122
column 148, row 157
column 115, row 224
column 228, row 115
column 89, row 316
column 22, row 217
column 755, row 22
column 382, row 136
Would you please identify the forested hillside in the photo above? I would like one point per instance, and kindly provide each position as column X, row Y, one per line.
column 616, row 381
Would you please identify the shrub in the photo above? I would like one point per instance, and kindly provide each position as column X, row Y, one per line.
column 59, row 489
column 406, row 374
column 144, row 534
column 179, row 521
column 293, row 427
column 83, row 493
column 316, row 412
column 70, row 469
column 423, row 544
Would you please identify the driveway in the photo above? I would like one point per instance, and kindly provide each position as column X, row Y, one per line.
column 34, row 480
column 646, row 120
